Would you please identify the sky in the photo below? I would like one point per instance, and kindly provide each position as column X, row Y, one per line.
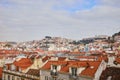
column 25, row 20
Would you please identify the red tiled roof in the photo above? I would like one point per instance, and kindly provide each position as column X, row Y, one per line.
column 39, row 50
column 117, row 60
column 65, row 69
column 10, row 51
column 23, row 63
column 61, row 58
column 90, row 66
column 47, row 65
column 1, row 56
column 8, row 65
column 77, row 53
column 0, row 72
column 45, row 58
column 34, row 72
column 105, row 58
column 91, row 70
column 58, row 62
column 86, row 57
column 118, row 54
column 78, row 64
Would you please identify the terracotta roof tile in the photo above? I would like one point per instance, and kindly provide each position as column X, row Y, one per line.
column 47, row 65
column 61, row 58
column 34, row 72
column 23, row 63
column 117, row 60
column 77, row 64
column 39, row 50
column 91, row 70
column 90, row 66
column 46, row 58
column 0, row 72
column 65, row 69
column 77, row 53
column 10, row 51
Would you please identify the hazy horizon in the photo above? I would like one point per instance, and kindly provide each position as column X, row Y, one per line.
column 26, row 20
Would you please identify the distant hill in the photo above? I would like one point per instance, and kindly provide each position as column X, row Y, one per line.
column 116, row 34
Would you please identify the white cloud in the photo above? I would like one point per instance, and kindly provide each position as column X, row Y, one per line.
column 34, row 19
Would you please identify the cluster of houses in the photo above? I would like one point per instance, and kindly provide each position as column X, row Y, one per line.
column 37, row 67
column 58, row 59
column 63, row 66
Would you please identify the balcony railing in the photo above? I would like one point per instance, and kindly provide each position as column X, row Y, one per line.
column 20, row 74
column 54, row 74
column 73, row 77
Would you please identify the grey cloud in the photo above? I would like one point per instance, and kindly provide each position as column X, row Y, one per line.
column 29, row 19
column 110, row 2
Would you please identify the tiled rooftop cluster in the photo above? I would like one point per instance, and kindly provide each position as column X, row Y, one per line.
column 56, row 58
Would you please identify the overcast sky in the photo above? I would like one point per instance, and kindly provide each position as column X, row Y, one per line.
column 22, row 20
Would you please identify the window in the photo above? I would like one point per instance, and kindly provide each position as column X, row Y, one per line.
column 74, row 71
column 8, row 77
column 18, row 78
column 20, row 69
column 4, row 76
column 13, row 78
column 54, row 67
column 54, row 70
column 22, row 78
column 13, row 67
column 46, row 78
column 5, row 67
column 54, row 78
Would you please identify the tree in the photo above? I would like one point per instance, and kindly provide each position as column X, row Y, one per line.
column 8, row 45
column 111, row 41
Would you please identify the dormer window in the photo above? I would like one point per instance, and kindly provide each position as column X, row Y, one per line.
column 19, row 69
column 13, row 67
column 5, row 67
column 54, row 70
column 54, row 67
column 74, row 71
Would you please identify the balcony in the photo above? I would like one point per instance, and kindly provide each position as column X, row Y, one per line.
column 73, row 77
column 20, row 74
column 54, row 74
